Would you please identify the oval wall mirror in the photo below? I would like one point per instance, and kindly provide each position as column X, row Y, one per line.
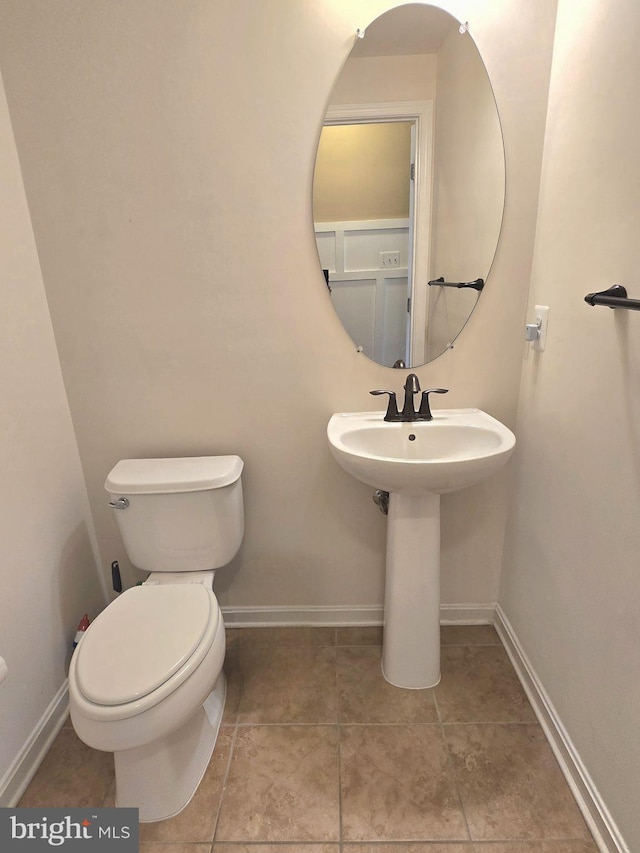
column 409, row 185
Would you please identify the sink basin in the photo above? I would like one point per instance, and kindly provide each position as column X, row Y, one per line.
column 456, row 449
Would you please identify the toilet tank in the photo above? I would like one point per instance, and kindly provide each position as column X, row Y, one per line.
column 179, row 515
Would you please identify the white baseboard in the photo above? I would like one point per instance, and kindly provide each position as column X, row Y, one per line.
column 304, row 615
column 345, row 616
column 467, row 614
column 15, row 781
column 605, row 832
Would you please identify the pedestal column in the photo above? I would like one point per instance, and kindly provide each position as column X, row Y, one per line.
column 411, row 642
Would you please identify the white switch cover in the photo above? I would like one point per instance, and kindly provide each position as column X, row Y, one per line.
column 389, row 259
column 541, row 314
column 3, row 670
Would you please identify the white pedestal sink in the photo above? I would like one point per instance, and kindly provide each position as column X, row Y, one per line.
column 416, row 462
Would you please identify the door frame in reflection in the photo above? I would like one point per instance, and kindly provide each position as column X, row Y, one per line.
column 420, row 115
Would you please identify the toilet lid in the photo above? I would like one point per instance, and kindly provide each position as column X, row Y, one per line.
column 143, row 638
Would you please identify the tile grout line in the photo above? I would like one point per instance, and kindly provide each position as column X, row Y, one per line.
column 450, row 765
column 330, row 723
column 340, row 831
column 339, row 732
column 226, row 774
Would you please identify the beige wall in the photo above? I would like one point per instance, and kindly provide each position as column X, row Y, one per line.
column 169, row 172
column 468, row 185
column 362, row 172
column 48, row 573
column 571, row 571
column 377, row 79
column 468, row 165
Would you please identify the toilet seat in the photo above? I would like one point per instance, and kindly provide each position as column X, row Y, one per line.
column 142, row 647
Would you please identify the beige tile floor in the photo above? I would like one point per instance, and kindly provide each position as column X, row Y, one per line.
column 318, row 754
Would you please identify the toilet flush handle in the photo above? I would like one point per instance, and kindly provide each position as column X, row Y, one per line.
column 120, row 503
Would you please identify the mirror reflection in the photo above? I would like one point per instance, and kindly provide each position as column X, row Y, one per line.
column 408, row 188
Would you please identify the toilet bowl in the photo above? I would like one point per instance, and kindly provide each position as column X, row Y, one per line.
column 146, row 679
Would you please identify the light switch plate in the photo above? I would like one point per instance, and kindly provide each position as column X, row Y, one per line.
column 389, row 259
column 542, row 314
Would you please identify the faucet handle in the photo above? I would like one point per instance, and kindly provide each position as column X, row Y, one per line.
column 392, row 408
column 424, row 412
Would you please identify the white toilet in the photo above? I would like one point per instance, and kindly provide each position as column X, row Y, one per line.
column 146, row 680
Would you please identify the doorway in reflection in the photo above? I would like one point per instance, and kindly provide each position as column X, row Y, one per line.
column 363, row 212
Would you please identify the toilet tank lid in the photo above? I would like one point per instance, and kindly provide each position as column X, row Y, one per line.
column 164, row 476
